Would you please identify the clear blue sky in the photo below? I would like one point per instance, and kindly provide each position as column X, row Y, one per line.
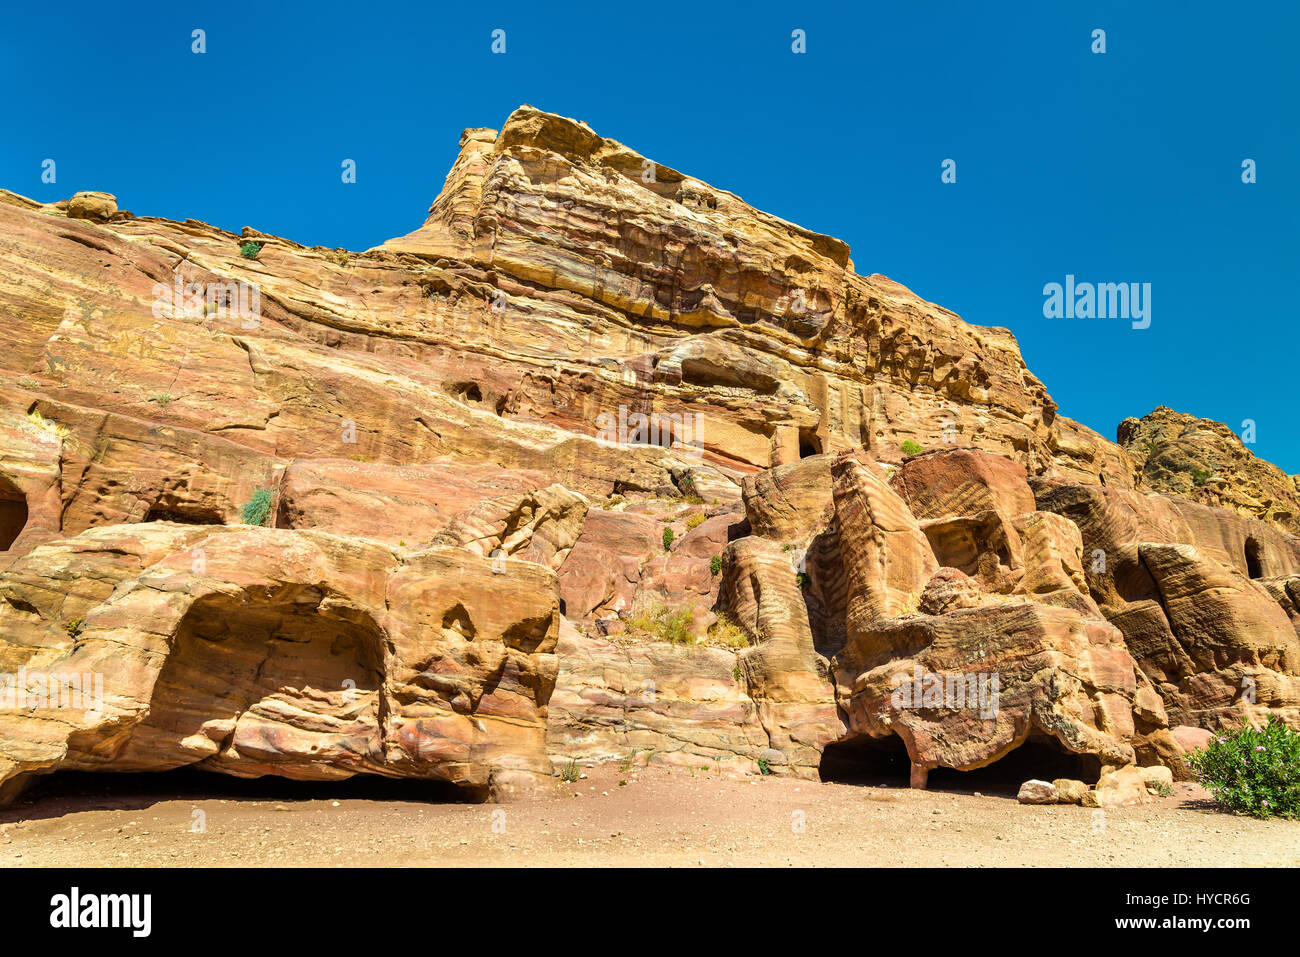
column 1117, row 167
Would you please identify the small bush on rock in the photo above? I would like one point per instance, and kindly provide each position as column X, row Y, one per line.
column 258, row 509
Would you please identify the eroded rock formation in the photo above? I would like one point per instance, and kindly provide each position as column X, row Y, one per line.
column 593, row 465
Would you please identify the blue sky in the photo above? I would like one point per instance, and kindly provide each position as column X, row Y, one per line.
column 1118, row 167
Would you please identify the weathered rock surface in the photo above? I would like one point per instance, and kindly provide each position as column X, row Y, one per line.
column 1209, row 463
column 569, row 396
column 257, row 651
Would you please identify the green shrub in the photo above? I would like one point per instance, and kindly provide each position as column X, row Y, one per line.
column 715, row 564
column 571, row 772
column 1201, row 476
column 801, row 579
column 1251, row 771
column 693, row 521
column 74, row 627
column 912, row 448
column 764, row 766
column 258, row 509
column 162, row 398
column 668, row 538
column 250, row 249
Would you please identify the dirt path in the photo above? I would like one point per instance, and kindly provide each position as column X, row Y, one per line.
column 660, row 817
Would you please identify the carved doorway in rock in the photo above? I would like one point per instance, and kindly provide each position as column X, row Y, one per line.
column 286, row 683
column 13, row 513
column 1254, row 565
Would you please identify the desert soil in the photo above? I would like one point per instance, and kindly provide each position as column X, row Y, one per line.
column 658, row 817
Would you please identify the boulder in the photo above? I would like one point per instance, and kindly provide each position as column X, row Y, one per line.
column 97, row 207
column 1038, row 792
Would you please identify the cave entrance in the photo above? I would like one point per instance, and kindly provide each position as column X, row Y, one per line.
column 809, row 443
column 183, row 514
column 57, row 794
column 1254, row 562
column 867, row 761
column 13, row 513
column 274, row 685
column 1040, row 756
column 884, row 762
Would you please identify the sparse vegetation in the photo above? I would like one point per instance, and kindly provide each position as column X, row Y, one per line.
column 668, row 539
column 801, row 579
column 612, row 502
column 1164, row 790
column 1252, row 771
column 29, row 384
column 163, row 399
column 912, row 448
column 694, row 521
column 74, row 627
column 715, row 564
column 250, row 249
column 764, row 765
column 727, row 633
column 258, row 509
column 1201, row 476
column 686, row 485
column 571, row 772
column 663, row 623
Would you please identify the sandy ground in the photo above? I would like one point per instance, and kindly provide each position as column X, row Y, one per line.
column 655, row 817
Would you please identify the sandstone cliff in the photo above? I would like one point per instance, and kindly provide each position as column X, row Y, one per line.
column 599, row 462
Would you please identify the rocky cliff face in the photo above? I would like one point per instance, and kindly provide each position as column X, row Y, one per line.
column 1209, row 463
column 599, row 463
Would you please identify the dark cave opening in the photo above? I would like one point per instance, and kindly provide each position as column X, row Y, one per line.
column 867, row 761
column 883, row 762
column 1254, row 562
column 809, row 444
column 13, row 513
column 184, row 515
column 65, row 791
